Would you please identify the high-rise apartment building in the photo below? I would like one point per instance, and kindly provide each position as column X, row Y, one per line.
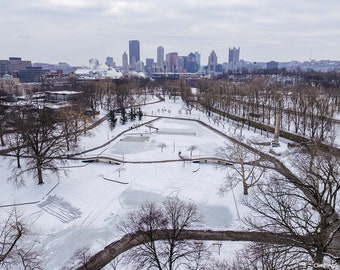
column 234, row 55
column 125, row 62
column 134, row 51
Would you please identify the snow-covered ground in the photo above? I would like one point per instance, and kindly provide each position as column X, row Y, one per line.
column 83, row 207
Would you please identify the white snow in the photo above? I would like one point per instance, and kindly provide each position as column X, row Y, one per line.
column 83, row 208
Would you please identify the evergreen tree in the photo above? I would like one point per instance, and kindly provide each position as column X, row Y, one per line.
column 132, row 114
column 112, row 118
column 140, row 114
column 123, row 117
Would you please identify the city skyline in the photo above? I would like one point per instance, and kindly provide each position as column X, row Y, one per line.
column 74, row 31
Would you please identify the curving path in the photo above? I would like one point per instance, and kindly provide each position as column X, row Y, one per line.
column 129, row 241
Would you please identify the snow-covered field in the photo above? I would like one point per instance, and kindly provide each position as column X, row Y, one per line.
column 83, row 207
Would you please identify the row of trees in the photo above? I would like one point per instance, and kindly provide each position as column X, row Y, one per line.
column 124, row 116
column 304, row 110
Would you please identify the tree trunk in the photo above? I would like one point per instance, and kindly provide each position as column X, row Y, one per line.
column 40, row 177
column 18, row 161
column 2, row 140
column 245, row 188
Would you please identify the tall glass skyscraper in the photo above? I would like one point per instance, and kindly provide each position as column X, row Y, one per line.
column 160, row 55
column 134, row 51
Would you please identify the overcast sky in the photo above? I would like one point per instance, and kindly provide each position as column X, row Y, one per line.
column 74, row 31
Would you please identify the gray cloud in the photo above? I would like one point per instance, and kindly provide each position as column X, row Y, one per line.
column 76, row 30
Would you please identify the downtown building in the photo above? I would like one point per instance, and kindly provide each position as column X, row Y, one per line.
column 23, row 70
column 134, row 52
column 125, row 61
column 160, row 64
column 13, row 65
column 234, row 59
column 212, row 62
column 171, row 62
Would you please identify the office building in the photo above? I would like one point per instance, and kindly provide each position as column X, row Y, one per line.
column 212, row 61
column 171, row 59
column 109, row 62
column 272, row 65
column 234, row 55
column 191, row 65
column 149, row 65
column 160, row 56
column 180, row 64
column 31, row 74
column 198, row 59
column 134, row 51
column 138, row 66
column 125, row 62
column 13, row 65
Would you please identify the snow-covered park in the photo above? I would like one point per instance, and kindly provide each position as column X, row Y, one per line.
column 82, row 207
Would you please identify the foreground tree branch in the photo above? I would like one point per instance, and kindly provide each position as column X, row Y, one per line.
column 130, row 241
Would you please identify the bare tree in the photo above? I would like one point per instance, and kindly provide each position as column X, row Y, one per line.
column 90, row 98
column 16, row 144
column 304, row 204
column 300, row 201
column 172, row 217
column 2, row 124
column 162, row 146
column 69, row 119
column 191, row 149
column 120, row 170
column 44, row 141
column 199, row 259
column 15, row 252
column 258, row 256
column 187, row 95
column 79, row 257
column 245, row 167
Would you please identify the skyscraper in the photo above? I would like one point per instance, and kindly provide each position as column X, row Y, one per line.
column 171, row 59
column 234, row 55
column 160, row 56
column 134, row 51
column 149, row 65
column 191, row 64
column 125, row 62
column 212, row 61
column 198, row 58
